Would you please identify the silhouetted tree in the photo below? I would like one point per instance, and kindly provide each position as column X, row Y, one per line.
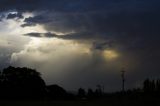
column 158, row 85
column 149, row 86
column 90, row 93
column 56, row 92
column 81, row 93
column 98, row 91
column 22, row 82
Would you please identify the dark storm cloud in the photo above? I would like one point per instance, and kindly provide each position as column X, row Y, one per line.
column 131, row 25
column 48, row 35
column 28, row 24
column 103, row 45
column 29, row 5
column 14, row 15
column 32, row 21
column 120, row 19
column 23, row 5
column 116, row 19
column 33, row 34
column 71, row 36
column 62, row 5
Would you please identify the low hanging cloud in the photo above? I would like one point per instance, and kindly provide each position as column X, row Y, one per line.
column 47, row 35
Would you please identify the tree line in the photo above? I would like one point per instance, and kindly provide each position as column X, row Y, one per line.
column 26, row 83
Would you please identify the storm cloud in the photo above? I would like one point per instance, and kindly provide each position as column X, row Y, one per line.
column 49, row 35
column 128, row 21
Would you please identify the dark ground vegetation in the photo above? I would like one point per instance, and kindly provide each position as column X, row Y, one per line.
column 25, row 87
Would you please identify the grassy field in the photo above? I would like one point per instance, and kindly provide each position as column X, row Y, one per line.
column 104, row 102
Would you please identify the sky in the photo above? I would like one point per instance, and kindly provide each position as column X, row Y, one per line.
column 82, row 43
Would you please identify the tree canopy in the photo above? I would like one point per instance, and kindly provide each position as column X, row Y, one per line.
column 21, row 82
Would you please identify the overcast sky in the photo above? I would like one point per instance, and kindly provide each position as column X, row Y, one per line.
column 82, row 43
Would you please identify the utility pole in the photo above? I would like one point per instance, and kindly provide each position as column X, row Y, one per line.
column 123, row 79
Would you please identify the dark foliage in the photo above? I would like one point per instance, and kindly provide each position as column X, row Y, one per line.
column 21, row 83
column 151, row 87
column 81, row 93
column 90, row 93
column 56, row 92
column 25, row 83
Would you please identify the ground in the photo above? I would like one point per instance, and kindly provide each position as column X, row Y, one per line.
column 101, row 102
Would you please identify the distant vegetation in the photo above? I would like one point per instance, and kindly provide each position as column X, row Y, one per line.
column 26, row 83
